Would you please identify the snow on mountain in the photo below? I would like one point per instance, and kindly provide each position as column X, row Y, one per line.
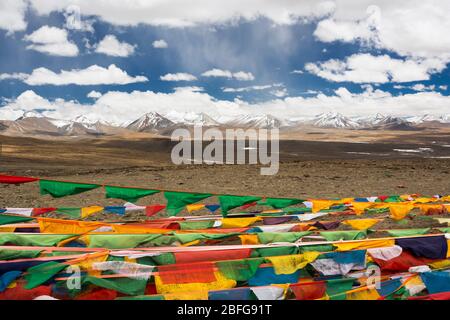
column 31, row 114
column 334, row 120
column 428, row 118
column 191, row 118
column 151, row 121
column 265, row 121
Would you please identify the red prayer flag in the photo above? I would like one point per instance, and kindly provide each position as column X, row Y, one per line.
column 154, row 209
column 39, row 211
column 16, row 179
column 202, row 272
column 248, row 205
column 309, row 291
column 213, row 255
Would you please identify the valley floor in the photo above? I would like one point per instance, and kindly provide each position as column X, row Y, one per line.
column 307, row 169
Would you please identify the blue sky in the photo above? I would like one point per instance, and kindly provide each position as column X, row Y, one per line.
column 357, row 58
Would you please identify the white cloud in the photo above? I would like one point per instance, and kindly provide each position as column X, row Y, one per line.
column 443, row 87
column 243, row 76
column 74, row 21
column 189, row 88
column 113, row 47
column 52, row 41
column 219, row 73
column 13, row 76
column 160, row 44
column 191, row 13
column 412, row 28
column 178, row 77
column 93, row 75
column 252, row 88
column 280, row 93
column 119, row 107
column 12, row 15
column 366, row 68
column 297, row 72
column 94, row 94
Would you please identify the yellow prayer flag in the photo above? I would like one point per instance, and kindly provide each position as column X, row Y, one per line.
column 322, row 204
column 368, row 294
column 7, row 229
column 87, row 211
column 291, row 263
column 194, row 207
column 86, row 262
column 444, row 220
column 239, row 222
column 361, row 224
column 366, row 244
column 220, row 283
column 399, row 211
column 360, row 207
column 441, row 264
column 249, row 239
column 49, row 225
column 198, row 295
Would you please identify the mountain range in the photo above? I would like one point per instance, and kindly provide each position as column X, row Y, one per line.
column 153, row 122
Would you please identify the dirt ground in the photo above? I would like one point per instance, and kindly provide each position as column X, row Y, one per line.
column 307, row 169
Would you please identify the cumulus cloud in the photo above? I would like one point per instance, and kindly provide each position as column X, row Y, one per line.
column 13, row 76
column 367, row 68
column 219, row 73
column 160, row 44
column 297, row 72
column 52, row 41
column 110, row 46
column 12, row 15
column 178, row 77
column 93, row 75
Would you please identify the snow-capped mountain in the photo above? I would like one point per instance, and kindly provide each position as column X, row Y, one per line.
column 191, row 118
column 150, row 122
column 429, row 118
column 265, row 121
column 334, row 120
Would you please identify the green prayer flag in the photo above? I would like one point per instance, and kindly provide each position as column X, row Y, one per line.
column 58, row 189
column 444, row 230
column 130, row 286
column 317, row 247
column 176, row 201
column 407, row 232
column 271, row 237
column 39, row 239
column 193, row 225
column 6, row 219
column 280, row 203
column 41, row 273
column 8, row 254
column 128, row 194
column 228, row 202
column 276, row 251
column 344, row 235
column 239, row 270
column 189, row 237
column 71, row 212
column 337, row 288
column 120, row 241
column 162, row 259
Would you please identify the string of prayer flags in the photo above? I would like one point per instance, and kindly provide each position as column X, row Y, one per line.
column 128, row 194
column 58, row 189
column 176, row 201
column 228, row 202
